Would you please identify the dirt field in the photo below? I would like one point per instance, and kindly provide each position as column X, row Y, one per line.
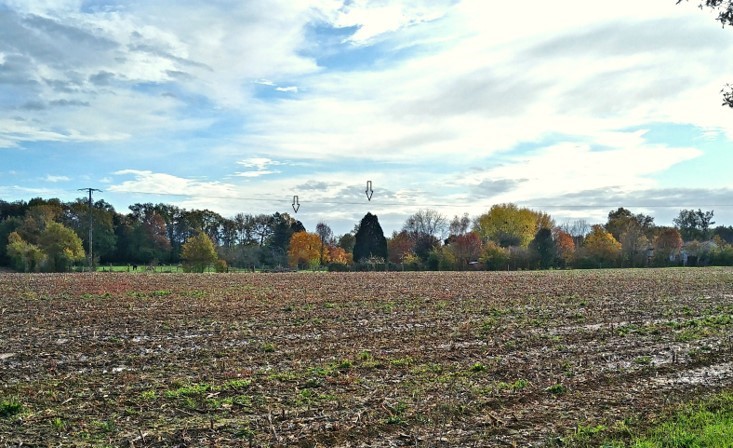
column 355, row 359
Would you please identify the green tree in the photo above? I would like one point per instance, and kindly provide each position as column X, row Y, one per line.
column 369, row 240
column 198, row 253
column 346, row 242
column 25, row 257
column 622, row 220
column 283, row 226
column 725, row 233
column 494, row 257
column 76, row 217
column 694, row 224
column 8, row 225
column 62, row 246
column 544, row 246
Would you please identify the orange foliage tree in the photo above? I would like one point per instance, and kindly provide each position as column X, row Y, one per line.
column 399, row 246
column 335, row 254
column 305, row 249
column 565, row 245
column 667, row 245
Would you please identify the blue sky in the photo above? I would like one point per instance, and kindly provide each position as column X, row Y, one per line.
column 568, row 107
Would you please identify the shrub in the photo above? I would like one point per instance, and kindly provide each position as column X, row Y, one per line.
column 337, row 267
column 221, row 266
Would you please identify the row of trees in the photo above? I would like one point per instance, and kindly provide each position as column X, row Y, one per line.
column 148, row 234
column 50, row 235
column 510, row 237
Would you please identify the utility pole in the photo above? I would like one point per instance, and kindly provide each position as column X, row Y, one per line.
column 91, row 233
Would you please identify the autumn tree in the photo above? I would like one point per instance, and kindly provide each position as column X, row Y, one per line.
column 465, row 249
column 305, row 250
column 369, row 240
column 338, row 255
column 509, row 225
column 198, row 253
column 633, row 232
column 667, row 245
column 565, row 245
column 622, row 220
column 600, row 248
column 400, row 246
column 326, row 235
column 577, row 229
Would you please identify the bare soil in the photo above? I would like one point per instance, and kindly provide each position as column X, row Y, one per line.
column 354, row 359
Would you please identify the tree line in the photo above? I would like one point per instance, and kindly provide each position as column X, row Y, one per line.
column 512, row 237
column 51, row 235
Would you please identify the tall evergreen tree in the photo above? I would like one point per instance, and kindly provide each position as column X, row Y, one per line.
column 370, row 240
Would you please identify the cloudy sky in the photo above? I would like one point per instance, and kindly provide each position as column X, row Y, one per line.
column 570, row 107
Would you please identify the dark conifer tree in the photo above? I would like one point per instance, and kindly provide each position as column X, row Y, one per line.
column 370, row 240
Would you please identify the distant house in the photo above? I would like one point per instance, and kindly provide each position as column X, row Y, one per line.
column 696, row 253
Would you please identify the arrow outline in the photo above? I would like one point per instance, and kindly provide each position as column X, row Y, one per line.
column 369, row 191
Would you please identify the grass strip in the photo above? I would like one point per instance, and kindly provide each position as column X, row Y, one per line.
column 705, row 423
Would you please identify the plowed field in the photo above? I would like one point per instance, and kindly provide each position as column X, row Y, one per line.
column 353, row 359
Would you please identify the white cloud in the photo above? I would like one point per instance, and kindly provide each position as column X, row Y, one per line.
column 148, row 182
column 289, row 89
column 260, row 165
column 56, row 179
column 375, row 18
column 542, row 95
column 567, row 168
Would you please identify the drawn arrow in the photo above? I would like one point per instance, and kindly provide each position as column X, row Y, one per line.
column 369, row 191
column 296, row 204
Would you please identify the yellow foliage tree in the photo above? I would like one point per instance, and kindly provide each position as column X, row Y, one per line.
column 305, row 249
column 601, row 248
column 508, row 225
column 198, row 253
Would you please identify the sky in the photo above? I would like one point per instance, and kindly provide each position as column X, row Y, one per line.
column 570, row 107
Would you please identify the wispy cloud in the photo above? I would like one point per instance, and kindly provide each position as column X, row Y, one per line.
column 56, row 179
column 317, row 97
column 261, row 167
column 289, row 89
column 148, row 182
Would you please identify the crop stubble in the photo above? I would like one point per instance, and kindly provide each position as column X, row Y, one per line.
column 354, row 359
